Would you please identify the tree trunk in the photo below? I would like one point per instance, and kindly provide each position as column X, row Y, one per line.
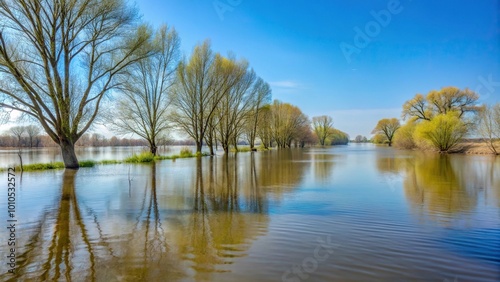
column 153, row 148
column 198, row 146
column 68, row 154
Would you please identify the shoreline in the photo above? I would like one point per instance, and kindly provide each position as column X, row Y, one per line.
column 474, row 148
column 463, row 148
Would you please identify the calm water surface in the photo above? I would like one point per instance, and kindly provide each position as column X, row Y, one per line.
column 353, row 213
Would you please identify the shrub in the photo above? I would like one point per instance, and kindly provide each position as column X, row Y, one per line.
column 186, row 153
column 338, row 137
column 144, row 157
column 443, row 132
column 380, row 139
column 403, row 138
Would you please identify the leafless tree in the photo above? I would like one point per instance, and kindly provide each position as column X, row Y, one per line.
column 59, row 59
column 261, row 97
column 144, row 105
column 33, row 132
column 489, row 127
column 234, row 108
column 18, row 132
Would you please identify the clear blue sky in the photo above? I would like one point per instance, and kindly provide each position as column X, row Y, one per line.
column 296, row 46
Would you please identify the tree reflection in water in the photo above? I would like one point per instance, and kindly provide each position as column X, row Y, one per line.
column 189, row 225
column 442, row 186
column 228, row 213
column 68, row 243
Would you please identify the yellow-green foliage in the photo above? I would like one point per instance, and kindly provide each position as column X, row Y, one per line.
column 186, row 153
column 241, row 150
column 87, row 163
column 105, row 162
column 338, row 137
column 144, row 157
column 443, row 132
column 403, row 138
column 56, row 165
column 380, row 139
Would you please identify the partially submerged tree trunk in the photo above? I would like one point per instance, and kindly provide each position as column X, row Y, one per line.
column 68, row 154
column 199, row 144
column 153, row 148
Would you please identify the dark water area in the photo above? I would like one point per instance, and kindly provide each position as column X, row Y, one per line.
column 347, row 213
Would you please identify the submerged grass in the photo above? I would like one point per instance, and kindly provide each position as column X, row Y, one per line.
column 47, row 166
column 147, row 157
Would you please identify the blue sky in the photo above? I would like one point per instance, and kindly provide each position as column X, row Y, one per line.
column 414, row 47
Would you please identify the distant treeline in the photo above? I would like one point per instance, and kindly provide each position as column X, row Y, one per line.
column 30, row 137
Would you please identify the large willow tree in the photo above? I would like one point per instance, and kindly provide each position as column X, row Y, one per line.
column 59, row 59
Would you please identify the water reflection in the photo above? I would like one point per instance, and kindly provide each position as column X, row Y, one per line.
column 247, row 217
column 60, row 240
column 323, row 166
column 282, row 170
column 228, row 213
column 443, row 186
column 204, row 219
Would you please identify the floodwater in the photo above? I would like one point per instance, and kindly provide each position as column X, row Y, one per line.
column 348, row 213
column 10, row 157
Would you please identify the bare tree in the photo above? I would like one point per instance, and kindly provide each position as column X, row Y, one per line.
column 322, row 126
column 261, row 97
column 18, row 132
column 144, row 106
column 59, row 59
column 33, row 132
column 489, row 127
column 234, row 107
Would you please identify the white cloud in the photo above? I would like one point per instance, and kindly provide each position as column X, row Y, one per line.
column 285, row 84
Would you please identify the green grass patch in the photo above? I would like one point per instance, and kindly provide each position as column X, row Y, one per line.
column 56, row 165
column 87, row 163
column 144, row 157
column 40, row 166
column 186, row 153
column 147, row 157
column 107, row 162
column 241, row 150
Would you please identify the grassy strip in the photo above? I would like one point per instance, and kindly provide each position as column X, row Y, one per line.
column 145, row 157
column 47, row 166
